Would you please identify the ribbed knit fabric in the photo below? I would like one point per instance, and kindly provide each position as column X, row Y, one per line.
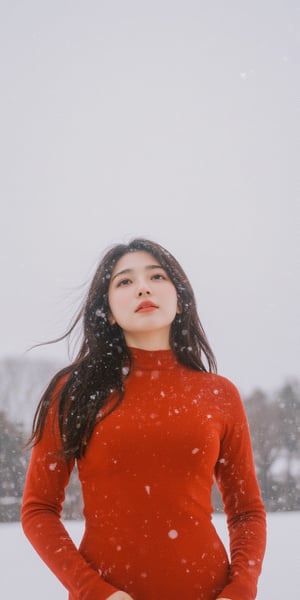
column 146, row 481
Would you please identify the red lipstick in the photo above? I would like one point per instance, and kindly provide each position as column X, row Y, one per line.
column 146, row 306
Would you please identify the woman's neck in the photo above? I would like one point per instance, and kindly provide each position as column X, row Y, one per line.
column 151, row 341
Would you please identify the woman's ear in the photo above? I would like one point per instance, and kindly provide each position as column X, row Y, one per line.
column 179, row 308
column 111, row 319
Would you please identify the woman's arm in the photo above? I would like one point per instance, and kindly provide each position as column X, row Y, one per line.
column 47, row 477
column 246, row 518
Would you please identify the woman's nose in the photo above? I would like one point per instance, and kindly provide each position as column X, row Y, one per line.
column 143, row 288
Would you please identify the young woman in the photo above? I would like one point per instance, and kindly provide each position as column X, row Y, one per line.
column 150, row 424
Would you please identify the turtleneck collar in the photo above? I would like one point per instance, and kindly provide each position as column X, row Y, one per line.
column 158, row 360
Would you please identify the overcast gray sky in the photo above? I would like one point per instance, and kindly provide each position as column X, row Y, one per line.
column 178, row 121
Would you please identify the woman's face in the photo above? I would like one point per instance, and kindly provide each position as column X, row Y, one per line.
column 142, row 301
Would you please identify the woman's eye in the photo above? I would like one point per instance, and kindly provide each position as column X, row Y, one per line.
column 123, row 282
column 158, row 276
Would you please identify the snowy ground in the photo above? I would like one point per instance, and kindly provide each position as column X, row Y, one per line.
column 23, row 575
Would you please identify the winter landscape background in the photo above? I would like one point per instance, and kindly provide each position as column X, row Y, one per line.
column 23, row 575
column 178, row 121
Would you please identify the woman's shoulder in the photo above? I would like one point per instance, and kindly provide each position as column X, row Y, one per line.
column 212, row 380
column 55, row 387
column 214, row 385
column 60, row 378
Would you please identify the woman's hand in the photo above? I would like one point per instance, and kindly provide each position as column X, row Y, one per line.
column 119, row 596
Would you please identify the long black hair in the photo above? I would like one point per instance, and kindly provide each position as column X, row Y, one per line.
column 93, row 384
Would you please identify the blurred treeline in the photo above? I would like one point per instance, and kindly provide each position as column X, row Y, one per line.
column 274, row 420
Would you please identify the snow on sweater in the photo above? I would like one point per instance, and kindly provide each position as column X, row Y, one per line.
column 146, row 481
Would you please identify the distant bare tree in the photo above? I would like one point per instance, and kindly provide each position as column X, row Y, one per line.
column 22, row 381
column 275, row 427
column 13, row 464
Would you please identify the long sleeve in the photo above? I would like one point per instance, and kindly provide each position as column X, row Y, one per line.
column 246, row 519
column 47, row 477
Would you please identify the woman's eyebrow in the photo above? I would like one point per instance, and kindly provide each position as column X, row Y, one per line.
column 128, row 271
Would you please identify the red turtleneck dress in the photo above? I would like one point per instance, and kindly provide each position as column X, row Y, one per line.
column 146, row 482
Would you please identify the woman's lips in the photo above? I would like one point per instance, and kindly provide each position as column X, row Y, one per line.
column 146, row 307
